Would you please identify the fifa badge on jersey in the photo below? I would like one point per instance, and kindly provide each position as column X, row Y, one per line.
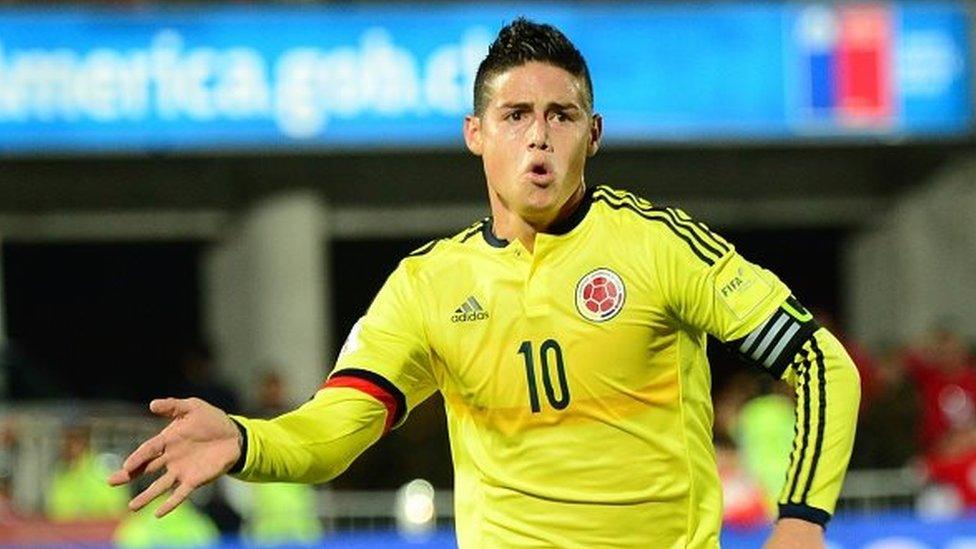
column 600, row 295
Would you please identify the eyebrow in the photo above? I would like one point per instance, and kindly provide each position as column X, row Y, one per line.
column 553, row 105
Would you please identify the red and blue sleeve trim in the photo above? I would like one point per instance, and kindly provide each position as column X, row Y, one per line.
column 375, row 386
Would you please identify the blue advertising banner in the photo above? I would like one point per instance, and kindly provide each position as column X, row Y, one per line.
column 885, row 530
column 289, row 78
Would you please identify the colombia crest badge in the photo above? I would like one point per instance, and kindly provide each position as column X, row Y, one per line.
column 600, row 295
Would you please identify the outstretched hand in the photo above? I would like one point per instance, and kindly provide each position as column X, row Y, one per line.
column 199, row 444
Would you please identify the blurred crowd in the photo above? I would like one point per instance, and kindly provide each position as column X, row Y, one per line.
column 917, row 411
column 79, row 505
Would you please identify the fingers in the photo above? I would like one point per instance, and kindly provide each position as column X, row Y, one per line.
column 148, row 457
column 149, row 450
column 123, row 476
column 156, row 464
column 179, row 494
column 152, row 448
column 158, row 486
column 170, row 407
column 119, row 477
column 135, row 465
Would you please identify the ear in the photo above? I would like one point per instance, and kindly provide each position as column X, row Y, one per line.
column 472, row 134
column 596, row 133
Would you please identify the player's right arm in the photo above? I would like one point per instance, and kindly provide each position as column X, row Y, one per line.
column 382, row 372
column 313, row 443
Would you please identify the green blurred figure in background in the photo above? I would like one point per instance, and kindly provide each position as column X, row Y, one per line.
column 764, row 435
column 282, row 513
column 279, row 512
column 184, row 527
column 188, row 528
column 78, row 490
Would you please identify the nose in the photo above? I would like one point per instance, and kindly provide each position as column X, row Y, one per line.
column 539, row 134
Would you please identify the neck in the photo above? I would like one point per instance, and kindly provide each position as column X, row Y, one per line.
column 510, row 225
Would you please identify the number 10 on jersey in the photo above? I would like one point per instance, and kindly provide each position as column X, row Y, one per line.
column 550, row 356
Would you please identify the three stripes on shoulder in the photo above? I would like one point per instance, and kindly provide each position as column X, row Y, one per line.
column 708, row 246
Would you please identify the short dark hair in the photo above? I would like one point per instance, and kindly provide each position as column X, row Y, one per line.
column 522, row 41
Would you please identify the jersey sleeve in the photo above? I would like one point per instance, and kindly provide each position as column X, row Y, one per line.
column 828, row 393
column 707, row 285
column 313, row 443
column 710, row 287
column 387, row 354
column 382, row 371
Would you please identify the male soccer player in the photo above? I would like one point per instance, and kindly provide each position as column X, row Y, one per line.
column 567, row 335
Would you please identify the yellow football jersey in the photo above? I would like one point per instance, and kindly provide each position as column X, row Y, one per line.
column 575, row 378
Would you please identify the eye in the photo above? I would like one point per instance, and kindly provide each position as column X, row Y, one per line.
column 561, row 116
column 514, row 116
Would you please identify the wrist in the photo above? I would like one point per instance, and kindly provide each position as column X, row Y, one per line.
column 794, row 533
column 238, row 465
column 799, row 524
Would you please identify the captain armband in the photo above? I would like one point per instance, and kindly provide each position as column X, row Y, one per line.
column 774, row 343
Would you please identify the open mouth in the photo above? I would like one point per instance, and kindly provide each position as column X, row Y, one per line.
column 540, row 173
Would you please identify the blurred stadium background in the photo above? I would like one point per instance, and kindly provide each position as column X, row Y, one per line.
column 200, row 199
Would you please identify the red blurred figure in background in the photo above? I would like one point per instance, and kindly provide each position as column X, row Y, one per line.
column 944, row 371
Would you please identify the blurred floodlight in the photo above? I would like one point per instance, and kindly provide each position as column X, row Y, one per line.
column 938, row 502
column 416, row 514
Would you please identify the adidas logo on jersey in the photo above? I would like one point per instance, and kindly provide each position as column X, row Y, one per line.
column 469, row 311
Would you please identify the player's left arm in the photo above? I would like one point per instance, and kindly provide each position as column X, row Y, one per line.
column 790, row 345
column 752, row 312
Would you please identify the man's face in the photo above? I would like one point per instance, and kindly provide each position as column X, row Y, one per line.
column 534, row 137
